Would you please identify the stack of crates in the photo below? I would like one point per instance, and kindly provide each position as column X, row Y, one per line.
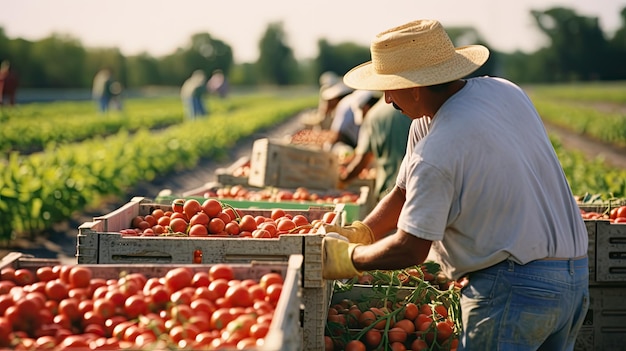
column 100, row 242
column 285, row 333
column 604, row 327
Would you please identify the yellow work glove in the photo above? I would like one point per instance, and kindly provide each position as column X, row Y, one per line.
column 337, row 259
column 357, row 232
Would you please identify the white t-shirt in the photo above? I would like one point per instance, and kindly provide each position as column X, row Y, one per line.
column 343, row 121
column 485, row 184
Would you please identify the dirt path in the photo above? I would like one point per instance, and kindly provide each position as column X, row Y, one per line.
column 61, row 244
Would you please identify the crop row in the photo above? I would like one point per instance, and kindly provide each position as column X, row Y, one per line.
column 33, row 127
column 604, row 92
column 587, row 176
column 42, row 189
column 609, row 127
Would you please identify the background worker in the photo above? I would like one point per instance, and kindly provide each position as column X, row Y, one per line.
column 483, row 194
column 332, row 91
column 349, row 116
column 192, row 95
column 382, row 141
column 101, row 89
column 8, row 83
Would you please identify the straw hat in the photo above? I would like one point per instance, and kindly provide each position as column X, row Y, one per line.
column 336, row 90
column 418, row 53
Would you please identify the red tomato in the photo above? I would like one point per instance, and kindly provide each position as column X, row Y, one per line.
column 191, row 207
column 198, row 230
column 232, row 228
column 178, row 278
column 272, row 293
column 221, row 271
column 621, row 212
column 277, row 213
column 444, row 330
column 200, row 218
column 270, row 227
column 247, row 223
column 238, row 296
column 23, row 277
column 300, row 220
column 134, row 306
column 69, row 308
column 230, row 213
column 202, row 306
column 397, row 334
column 285, row 225
column 218, row 287
column 261, row 234
column 373, row 337
column 355, row 345
column 259, row 330
column 411, row 311
column 45, row 274
column 212, row 207
column 220, row 318
column 216, row 225
column 270, row 278
column 79, row 276
column 104, row 307
column 178, row 225
column 419, row 345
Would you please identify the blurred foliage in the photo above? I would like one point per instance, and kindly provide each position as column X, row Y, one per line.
column 578, row 50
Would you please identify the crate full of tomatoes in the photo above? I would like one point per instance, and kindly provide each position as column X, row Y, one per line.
column 187, row 231
column 410, row 309
column 606, row 226
column 129, row 235
column 52, row 306
column 356, row 203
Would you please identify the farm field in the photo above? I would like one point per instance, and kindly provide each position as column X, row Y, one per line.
column 63, row 163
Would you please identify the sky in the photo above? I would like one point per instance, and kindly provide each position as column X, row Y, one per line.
column 159, row 27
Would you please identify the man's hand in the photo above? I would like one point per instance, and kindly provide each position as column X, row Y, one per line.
column 337, row 259
column 358, row 232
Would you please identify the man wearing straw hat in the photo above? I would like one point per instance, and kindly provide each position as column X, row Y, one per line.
column 483, row 194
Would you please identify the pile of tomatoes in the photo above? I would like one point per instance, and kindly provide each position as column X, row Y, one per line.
column 615, row 215
column 406, row 326
column 210, row 218
column 301, row 194
column 64, row 307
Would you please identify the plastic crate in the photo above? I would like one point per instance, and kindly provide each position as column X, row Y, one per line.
column 604, row 327
column 280, row 164
column 610, row 252
column 285, row 331
column 100, row 242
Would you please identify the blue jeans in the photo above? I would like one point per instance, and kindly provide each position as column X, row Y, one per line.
column 537, row 306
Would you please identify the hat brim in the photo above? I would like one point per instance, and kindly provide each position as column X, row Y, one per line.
column 466, row 60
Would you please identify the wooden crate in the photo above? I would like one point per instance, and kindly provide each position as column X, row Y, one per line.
column 227, row 176
column 100, row 242
column 279, row 164
column 285, row 331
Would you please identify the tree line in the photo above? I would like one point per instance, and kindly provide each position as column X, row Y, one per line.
column 578, row 50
